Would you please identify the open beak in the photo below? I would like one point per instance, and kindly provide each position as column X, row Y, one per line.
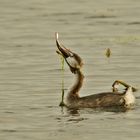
column 62, row 50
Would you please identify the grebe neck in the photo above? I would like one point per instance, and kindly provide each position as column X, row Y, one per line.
column 73, row 94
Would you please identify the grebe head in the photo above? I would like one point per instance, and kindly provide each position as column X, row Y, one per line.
column 73, row 60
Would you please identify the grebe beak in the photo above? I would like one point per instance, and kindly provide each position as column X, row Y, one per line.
column 62, row 50
column 66, row 53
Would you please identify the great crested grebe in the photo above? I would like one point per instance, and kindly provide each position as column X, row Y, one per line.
column 105, row 99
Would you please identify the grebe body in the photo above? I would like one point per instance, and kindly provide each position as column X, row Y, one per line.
column 124, row 99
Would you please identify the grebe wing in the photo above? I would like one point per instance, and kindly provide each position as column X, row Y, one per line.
column 104, row 99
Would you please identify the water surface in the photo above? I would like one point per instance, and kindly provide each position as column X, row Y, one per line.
column 30, row 69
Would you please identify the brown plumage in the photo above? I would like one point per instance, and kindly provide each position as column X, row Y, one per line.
column 106, row 99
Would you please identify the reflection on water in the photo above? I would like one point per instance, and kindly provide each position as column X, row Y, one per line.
column 31, row 75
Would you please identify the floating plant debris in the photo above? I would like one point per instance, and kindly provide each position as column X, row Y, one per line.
column 108, row 52
column 62, row 67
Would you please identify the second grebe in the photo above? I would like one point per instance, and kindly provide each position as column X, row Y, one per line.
column 105, row 99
